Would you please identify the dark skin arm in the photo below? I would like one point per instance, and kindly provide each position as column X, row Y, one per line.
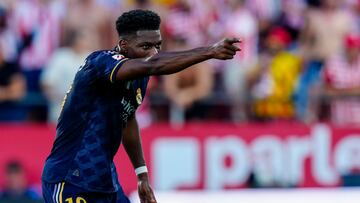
column 132, row 144
column 172, row 62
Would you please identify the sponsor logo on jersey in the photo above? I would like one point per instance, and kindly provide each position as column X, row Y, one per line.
column 128, row 109
column 118, row 57
column 138, row 96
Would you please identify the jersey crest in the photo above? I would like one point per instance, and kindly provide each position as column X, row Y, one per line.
column 138, row 96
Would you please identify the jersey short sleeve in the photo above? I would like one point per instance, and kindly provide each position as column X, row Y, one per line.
column 107, row 64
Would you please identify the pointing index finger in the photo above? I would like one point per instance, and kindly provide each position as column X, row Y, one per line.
column 232, row 40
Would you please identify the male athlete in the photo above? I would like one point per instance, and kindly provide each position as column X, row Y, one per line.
column 99, row 112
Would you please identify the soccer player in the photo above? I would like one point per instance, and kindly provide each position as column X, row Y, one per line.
column 99, row 112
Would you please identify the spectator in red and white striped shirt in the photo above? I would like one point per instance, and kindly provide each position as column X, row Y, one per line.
column 41, row 20
column 38, row 24
column 342, row 79
column 182, row 21
column 8, row 40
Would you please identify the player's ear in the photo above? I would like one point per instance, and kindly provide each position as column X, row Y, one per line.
column 123, row 45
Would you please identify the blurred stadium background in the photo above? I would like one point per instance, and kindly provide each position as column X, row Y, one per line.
column 283, row 116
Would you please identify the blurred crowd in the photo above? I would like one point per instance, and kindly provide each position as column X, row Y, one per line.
column 16, row 188
column 300, row 59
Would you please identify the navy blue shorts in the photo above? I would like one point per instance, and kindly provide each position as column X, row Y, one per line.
column 65, row 192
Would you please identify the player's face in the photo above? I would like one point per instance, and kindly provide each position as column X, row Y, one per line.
column 146, row 43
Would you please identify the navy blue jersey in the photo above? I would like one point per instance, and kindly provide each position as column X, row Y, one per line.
column 89, row 129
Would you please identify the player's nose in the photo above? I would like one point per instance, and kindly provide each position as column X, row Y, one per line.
column 153, row 51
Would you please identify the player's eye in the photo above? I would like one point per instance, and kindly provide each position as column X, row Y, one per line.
column 146, row 47
column 158, row 46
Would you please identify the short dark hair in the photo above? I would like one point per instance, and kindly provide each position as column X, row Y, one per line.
column 135, row 20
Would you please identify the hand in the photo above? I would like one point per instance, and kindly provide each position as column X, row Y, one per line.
column 225, row 49
column 145, row 192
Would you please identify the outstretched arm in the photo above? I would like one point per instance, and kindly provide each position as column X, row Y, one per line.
column 132, row 144
column 165, row 63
